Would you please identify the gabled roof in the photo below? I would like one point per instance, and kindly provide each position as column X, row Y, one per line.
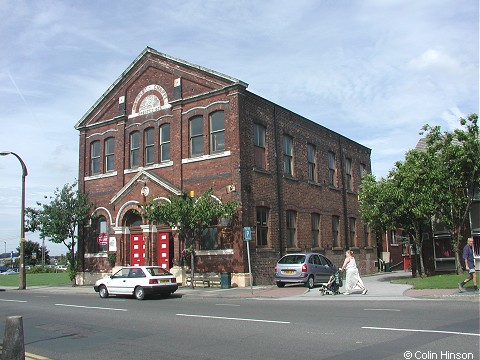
column 140, row 176
column 149, row 51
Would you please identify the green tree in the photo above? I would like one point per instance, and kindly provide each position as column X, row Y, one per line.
column 59, row 220
column 417, row 194
column 33, row 253
column 458, row 154
column 377, row 203
column 190, row 216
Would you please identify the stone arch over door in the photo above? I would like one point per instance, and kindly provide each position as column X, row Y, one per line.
column 131, row 221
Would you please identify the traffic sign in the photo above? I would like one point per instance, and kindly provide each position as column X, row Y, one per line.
column 247, row 233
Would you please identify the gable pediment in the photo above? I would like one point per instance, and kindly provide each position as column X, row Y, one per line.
column 144, row 176
column 152, row 82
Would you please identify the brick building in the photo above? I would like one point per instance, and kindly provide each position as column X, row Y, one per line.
column 166, row 126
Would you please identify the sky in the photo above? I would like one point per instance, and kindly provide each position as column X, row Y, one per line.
column 374, row 71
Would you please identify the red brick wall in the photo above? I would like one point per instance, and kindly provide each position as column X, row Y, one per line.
column 202, row 94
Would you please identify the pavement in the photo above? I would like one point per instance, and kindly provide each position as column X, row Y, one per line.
column 379, row 287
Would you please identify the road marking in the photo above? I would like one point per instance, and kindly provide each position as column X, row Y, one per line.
column 235, row 319
column 227, row 305
column 422, row 331
column 381, row 309
column 30, row 356
column 91, row 307
column 18, row 301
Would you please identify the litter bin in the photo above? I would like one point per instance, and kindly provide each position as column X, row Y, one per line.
column 225, row 280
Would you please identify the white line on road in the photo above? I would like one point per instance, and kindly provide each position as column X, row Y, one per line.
column 227, row 305
column 18, row 301
column 422, row 331
column 90, row 307
column 236, row 319
column 381, row 309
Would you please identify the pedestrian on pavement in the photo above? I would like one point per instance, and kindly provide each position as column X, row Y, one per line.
column 469, row 266
column 353, row 280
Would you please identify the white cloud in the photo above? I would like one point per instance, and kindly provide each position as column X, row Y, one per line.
column 375, row 71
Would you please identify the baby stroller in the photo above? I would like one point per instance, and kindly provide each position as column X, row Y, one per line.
column 333, row 285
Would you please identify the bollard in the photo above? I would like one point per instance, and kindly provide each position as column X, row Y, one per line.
column 13, row 341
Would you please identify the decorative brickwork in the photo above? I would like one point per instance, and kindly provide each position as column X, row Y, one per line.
column 193, row 92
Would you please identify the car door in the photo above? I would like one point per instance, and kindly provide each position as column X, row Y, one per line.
column 315, row 266
column 136, row 277
column 117, row 282
column 327, row 268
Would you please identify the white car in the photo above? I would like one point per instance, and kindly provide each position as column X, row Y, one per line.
column 139, row 281
column 10, row 272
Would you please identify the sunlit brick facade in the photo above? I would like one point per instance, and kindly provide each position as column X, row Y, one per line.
column 166, row 126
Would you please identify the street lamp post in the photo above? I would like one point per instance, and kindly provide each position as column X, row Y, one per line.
column 22, row 284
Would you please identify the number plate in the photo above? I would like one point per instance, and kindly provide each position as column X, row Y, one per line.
column 288, row 271
column 165, row 281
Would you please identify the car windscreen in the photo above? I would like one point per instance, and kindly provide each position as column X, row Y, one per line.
column 292, row 259
column 157, row 271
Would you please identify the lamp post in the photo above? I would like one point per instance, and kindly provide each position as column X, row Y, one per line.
column 22, row 284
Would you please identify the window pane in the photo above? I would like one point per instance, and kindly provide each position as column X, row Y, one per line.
column 165, row 133
column 109, row 154
column 258, row 135
column 149, row 135
column 165, row 142
column 287, row 145
column 197, row 146
column 217, row 122
column 109, row 146
column 165, row 152
column 196, row 136
column 149, row 155
column 291, row 228
column 311, row 153
column 262, row 226
column 95, row 157
column 218, row 141
column 134, row 148
column 135, row 140
column 209, row 239
column 196, row 126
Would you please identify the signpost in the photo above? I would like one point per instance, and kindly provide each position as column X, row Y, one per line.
column 247, row 236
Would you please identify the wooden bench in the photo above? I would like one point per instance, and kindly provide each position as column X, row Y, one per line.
column 206, row 279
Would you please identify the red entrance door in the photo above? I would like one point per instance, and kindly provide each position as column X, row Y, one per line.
column 137, row 250
column 164, row 250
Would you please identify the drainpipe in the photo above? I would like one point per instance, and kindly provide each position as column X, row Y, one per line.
column 344, row 193
column 279, row 180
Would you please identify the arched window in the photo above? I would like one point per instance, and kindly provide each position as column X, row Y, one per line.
column 95, row 158
column 217, row 132
column 149, row 141
column 101, row 233
column 165, row 142
column 196, row 136
column 109, row 154
column 134, row 149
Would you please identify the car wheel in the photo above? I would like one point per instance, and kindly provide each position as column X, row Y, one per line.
column 139, row 293
column 310, row 282
column 102, row 291
column 280, row 284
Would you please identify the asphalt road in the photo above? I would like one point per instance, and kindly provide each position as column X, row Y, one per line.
column 84, row 326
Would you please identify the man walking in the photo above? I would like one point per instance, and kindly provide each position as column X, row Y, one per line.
column 469, row 265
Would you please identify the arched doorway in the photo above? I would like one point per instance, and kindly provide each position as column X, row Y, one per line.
column 137, row 245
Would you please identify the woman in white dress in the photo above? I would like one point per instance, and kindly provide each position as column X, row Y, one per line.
column 353, row 280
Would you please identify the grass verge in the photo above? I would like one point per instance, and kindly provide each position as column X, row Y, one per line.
column 41, row 279
column 444, row 281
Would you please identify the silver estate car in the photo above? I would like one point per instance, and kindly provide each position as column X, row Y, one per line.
column 307, row 268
